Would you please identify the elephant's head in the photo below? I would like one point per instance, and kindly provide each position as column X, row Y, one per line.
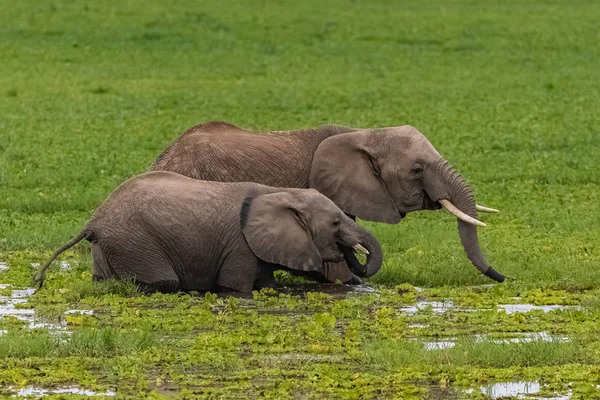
column 301, row 228
column 382, row 174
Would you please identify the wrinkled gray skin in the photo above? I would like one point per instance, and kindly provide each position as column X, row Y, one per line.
column 172, row 233
column 373, row 174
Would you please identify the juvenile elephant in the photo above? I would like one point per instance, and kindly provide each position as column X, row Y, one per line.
column 373, row 174
column 170, row 232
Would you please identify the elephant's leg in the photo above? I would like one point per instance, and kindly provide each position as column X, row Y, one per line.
column 265, row 277
column 238, row 272
column 150, row 269
column 101, row 269
column 333, row 271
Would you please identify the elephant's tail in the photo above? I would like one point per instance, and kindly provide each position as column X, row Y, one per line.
column 41, row 275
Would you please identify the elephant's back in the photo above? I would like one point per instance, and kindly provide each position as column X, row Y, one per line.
column 219, row 151
column 159, row 192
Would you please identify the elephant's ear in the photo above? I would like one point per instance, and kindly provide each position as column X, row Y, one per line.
column 345, row 170
column 276, row 230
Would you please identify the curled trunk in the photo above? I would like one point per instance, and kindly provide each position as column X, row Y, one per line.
column 374, row 258
column 446, row 183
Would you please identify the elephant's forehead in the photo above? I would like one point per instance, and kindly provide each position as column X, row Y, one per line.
column 407, row 139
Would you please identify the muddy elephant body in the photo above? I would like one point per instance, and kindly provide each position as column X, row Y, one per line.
column 374, row 174
column 170, row 233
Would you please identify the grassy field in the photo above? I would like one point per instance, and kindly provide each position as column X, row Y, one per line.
column 509, row 93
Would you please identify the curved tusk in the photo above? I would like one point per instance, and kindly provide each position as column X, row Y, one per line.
column 486, row 209
column 459, row 214
column 359, row 247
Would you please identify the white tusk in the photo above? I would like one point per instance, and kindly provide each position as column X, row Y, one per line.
column 358, row 247
column 486, row 209
column 459, row 214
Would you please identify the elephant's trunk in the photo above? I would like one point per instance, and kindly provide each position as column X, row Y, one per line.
column 374, row 256
column 444, row 183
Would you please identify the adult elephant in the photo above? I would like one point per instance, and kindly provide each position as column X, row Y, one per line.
column 373, row 174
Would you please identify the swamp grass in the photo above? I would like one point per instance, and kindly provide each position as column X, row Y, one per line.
column 90, row 94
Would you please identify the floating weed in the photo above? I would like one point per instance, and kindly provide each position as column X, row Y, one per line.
column 364, row 335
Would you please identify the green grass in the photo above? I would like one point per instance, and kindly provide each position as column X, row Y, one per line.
column 91, row 92
column 392, row 355
column 105, row 342
column 508, row 93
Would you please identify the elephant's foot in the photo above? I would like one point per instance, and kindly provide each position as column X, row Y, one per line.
column 167, row 286
column 265, row 279
column 355, row 280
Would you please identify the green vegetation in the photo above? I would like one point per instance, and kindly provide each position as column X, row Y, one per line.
column 508, row 92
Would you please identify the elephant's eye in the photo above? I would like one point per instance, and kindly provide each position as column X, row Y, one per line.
column 417, row 169
column 336, row 222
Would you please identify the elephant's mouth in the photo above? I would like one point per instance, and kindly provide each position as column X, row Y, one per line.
column 429, row 204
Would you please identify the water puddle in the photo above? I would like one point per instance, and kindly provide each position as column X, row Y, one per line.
column 440, row 307
column 8, row 303
column 9, row 307
column 437, row 307
column 337, row 291
column 440, row 344
column 514, row 308
column 36, row 391
column 450, row 342
column 521, row 390
column 525, row 338
column 64, row 265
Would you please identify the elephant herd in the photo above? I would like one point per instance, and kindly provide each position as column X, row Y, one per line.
column 222, row 207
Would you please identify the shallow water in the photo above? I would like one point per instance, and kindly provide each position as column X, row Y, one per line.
column 20, row 296
column 37, row 391
column 436, row 307
column 450, row 342
column 440, row 344
column 527, row 338
column 513, row 308
column 64, row 265
column 521, row 390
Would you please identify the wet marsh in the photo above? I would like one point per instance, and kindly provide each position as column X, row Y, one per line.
column 508, row 92
column 311, row 340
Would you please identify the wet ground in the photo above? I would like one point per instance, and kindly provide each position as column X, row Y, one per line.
column 433, row 320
